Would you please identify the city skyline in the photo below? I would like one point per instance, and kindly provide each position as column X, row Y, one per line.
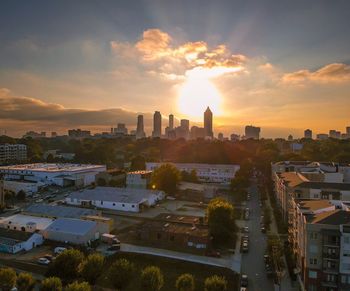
column 60, row 71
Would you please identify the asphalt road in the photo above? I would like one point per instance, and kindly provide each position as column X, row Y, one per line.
column 253, row 261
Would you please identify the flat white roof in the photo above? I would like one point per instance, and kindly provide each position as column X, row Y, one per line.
column 46, row 167
column 112, row 194
column 20, row 219
column 198, row 165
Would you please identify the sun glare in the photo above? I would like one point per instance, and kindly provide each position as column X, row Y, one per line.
column 195, row 95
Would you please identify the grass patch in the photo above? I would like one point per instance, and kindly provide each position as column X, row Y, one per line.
column 171, row 269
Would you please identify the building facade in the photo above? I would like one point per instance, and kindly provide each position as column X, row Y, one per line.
column 12, row 153
column 208, row 123
column 157, row 124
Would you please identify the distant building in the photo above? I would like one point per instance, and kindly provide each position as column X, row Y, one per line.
column 208, row 123
column 34, row 134
column 290, row 138
column 120, row 129
column 234, row 137
column 2, row 192
column 210, row 173
column 197, row 132
column 54, row 174
column 322, row 136
column 334, row 134
column 78, row 133
column 171, row 122
column 14, row 241
column 123, row 199
column 308, row 133
column 138, row 179
column 140, row 131
column 12, row 153
column 221, row 136
column 157, row 124
column 53, row 134
column 252, row 132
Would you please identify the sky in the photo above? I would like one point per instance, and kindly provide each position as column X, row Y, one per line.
column 281, row 65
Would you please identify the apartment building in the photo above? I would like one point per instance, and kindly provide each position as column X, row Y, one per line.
column 208, row 173
column 10, row 153
column 320, row 239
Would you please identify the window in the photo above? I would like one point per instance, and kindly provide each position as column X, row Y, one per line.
column 346, row 239
column 313, row 261
column 343, row 279
column 101, row 202
column 113, row 204
column 123, row 205
column 312, row 275
column 133, row 206
column 313, row 249
column 313, row 235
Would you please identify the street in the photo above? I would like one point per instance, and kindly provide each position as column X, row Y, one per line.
column 253, row 262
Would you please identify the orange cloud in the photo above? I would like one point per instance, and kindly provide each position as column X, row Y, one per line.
column 336, row 72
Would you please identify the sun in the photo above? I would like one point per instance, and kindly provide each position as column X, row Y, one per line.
column 195, row 95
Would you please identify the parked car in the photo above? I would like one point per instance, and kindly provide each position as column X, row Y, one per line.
column 246, row 229
column 263, row 229
column 245, row 246
column 244, row 280
column 43, row 261
column 49, row 257
column 59, row 250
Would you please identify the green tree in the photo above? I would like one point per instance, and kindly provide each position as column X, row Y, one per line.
column 21, row 195
column 138, row 163
column 76, row 286
column 152, row 279
column 66, row 265
column 215, row 283
column 51, row 284
column 25, row 282
column 221, row 221
column 120, row 273
column 7, row 279
column 166, row 178
column 91, row 268
column 185, row 282
column 101, row 182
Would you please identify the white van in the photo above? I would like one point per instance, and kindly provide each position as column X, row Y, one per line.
column 59, row 250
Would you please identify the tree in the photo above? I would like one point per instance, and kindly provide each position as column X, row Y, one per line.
column 21, row 195
column 138, row 163
column 166, row 178
column 152, row 279
column 51, row 284
column 120, row 273
column 215, row 283
column 91, row 268
column 25, row 282
column 185, row 282
column 76, row 286
column 66, row 266
column 221, row 221
column 101, row 182
column 7, row 279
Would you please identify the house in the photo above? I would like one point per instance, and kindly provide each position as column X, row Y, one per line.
column 14, row 241
column 74, row 231
column 123, row 199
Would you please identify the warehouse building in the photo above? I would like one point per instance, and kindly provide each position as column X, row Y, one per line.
column 74, row 231
column 123, row 199
column 14, row 241
column 25, row 223
column 54, row 174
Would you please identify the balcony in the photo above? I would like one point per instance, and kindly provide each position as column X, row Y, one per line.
column 330, row 256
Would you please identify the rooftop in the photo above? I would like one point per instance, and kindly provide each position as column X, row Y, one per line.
column 334, row 217
column 200, row 166
column 50, row 167
column 13, row 237
column 314, row 205
column 20, row 219
column 56, row 211
column 143, row 172
column 73, row 226
column 113, row 194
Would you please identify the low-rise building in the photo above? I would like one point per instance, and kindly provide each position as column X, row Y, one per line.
column 74, row 231
column 28, row 187
column 111, row 177
column 320, row 239
column 54, row 174
column 25, row 223
column 196, row 192
column 208, row 173
column 14, row 241
column 138, row 179
column 123, row 199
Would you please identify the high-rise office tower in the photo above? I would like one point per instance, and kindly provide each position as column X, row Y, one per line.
column 208, row 123
column 308, row 133
column 140, row 132
column 171, row 122
column 157, row 124
column 252, row 132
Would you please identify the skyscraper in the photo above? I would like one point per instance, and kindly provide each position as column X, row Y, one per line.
column 208, row 123
column 308, row 133
column 171, row 122
column 252, row 132
column 140, row 132
column 157, row 124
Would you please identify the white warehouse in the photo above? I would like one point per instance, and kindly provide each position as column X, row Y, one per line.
column 123, row 199
column 54, row 174
column 208, row 173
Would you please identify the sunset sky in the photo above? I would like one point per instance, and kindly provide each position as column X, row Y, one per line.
column 280, row 65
